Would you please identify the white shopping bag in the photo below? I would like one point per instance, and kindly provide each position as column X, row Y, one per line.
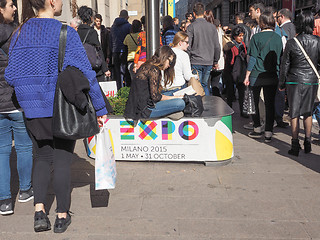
column 109, row 88
column 105, row 164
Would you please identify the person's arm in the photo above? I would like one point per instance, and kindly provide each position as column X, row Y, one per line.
column 186, row 68
column 284, row 66
column 251, row 63
column 217, row 48
column 154, row 80
column 190, row 36
column 138, row 52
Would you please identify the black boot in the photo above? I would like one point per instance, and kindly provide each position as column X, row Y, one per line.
column 295, row 147
column 307, row 145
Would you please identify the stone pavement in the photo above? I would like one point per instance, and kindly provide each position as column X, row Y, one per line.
column 262, row 194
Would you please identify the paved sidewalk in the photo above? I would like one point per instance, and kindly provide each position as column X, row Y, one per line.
column 262, row 194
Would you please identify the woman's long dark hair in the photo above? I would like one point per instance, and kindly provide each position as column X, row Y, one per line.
column 159, row 58
column 28, row 6
column 3, row 4
column 304, row 22
column 266, row 20
column 208, row 15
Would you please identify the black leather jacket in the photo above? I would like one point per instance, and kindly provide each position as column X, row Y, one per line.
column 8, row 101
column 294, row 66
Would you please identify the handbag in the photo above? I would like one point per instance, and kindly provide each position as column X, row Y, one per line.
column 69, row 122
column 248, row 102
column 194, row 105
column 239, row 68
column 196, row 85
column 92, row 53
column 105, row 164
column 311, row 64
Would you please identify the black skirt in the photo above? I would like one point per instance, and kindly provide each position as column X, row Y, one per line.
column 40, row 128
column 301, row 99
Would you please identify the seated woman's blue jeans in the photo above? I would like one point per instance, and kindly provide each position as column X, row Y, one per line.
column 166, row 107
column 171, row 92
column 12, row 124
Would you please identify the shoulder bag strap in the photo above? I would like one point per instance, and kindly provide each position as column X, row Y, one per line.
column 307, row 57
column 266, row 44
column 62, row 46
column 133, row 39
column 85, row 38
column 3, row 52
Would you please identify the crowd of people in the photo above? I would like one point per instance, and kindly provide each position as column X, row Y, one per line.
column 266, row 52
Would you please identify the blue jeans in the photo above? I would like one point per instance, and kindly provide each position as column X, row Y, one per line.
column 204, row 74
column 166, row 107
column 13, row 124
column 171, row 92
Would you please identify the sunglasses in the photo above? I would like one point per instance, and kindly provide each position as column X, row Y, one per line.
column 187, row 42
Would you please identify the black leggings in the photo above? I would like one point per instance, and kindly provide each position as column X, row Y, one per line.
column 269, row 93
column 58, row 153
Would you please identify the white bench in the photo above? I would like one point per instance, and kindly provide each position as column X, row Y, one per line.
column 207, row 138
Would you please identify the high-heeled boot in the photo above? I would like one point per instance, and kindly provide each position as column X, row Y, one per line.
column 295, row 147
column 307, row 145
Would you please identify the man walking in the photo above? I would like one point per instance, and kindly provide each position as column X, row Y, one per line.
column 287, row 29
column 255, row 11
column 204, row 47
column 119, row 30
column 284, row 21
column 103, row 35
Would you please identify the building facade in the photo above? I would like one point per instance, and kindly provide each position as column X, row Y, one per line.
column 109, row 9
column 224, row 10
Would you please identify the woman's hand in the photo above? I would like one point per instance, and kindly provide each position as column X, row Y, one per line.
column 178, row 96
column 107, row 73
column 102, row 120
column 246, row 82
column 166, row 97
column 134, row 69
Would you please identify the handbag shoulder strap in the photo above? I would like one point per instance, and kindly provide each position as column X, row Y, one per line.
column 307, row 57
column 269, row 39
column 85, row 38
column 3, row 52
column 133, row 39
column 62, row 46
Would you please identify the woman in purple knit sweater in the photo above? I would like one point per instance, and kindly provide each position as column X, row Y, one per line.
column 33, row 72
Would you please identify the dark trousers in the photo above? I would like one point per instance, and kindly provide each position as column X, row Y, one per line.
column 58, row 154
column 230, row 89
column 241, row 89
column 269, row 93
column 279, row 105
column 120, row 70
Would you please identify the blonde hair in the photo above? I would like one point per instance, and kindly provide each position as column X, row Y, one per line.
column 180, row 36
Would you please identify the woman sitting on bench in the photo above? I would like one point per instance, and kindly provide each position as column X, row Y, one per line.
column 145, row 99
column 182, row 67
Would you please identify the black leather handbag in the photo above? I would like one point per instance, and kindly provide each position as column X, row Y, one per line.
column 194, row 105
column 68, row 121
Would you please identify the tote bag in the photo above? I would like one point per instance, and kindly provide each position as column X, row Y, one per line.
column 105, row 164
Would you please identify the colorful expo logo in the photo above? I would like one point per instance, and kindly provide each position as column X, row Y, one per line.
column 187, row 130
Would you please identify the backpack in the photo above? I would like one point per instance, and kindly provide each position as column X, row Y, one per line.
column 240, row 66
column 93, row 54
